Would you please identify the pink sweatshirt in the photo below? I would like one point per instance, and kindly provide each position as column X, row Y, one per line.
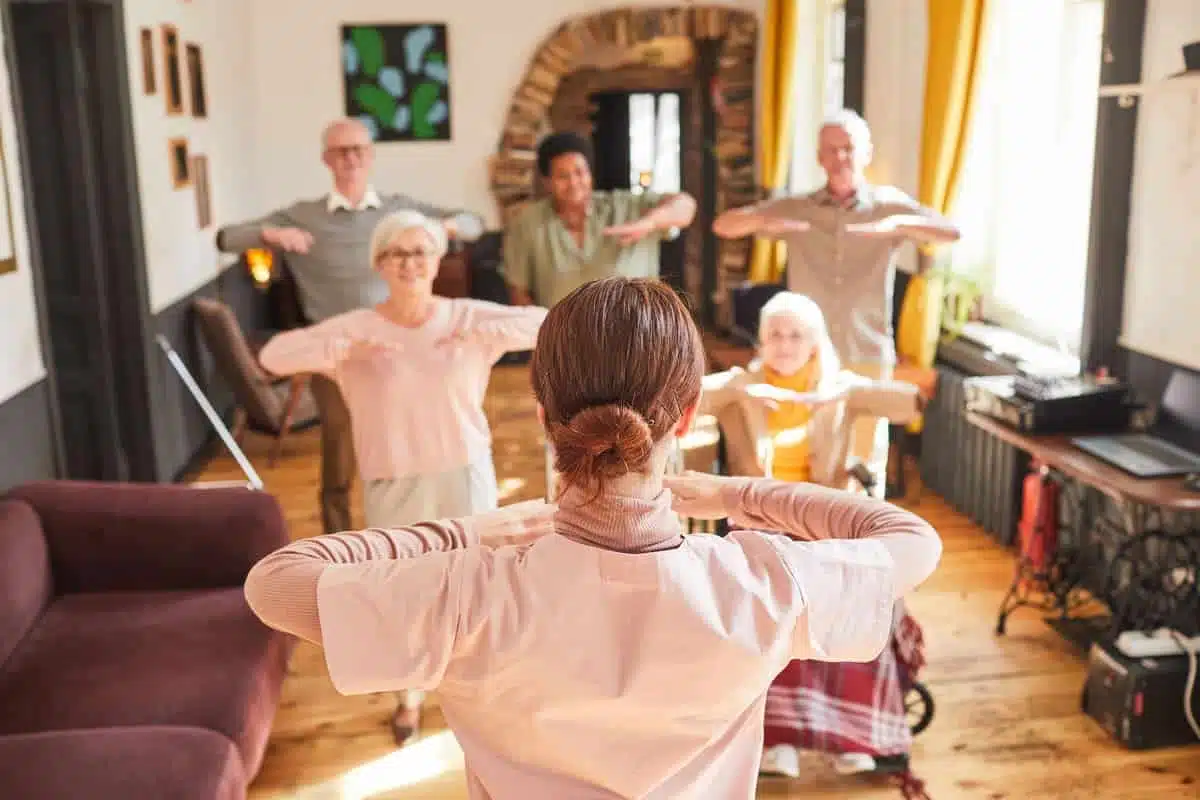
column 416, row 405
column 609, row 656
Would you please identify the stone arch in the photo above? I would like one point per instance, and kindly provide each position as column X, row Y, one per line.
column 513, row 168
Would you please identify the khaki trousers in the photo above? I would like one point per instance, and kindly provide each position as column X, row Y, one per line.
column 869, row 443
column 338, row 463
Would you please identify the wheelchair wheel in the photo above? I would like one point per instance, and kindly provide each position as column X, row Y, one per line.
column 918, row 707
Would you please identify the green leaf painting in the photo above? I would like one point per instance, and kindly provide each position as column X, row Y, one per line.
column 397, row 80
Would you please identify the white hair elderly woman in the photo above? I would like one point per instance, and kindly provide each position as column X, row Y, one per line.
column 413, row 371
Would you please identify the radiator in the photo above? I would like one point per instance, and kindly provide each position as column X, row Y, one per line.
column 976, row 473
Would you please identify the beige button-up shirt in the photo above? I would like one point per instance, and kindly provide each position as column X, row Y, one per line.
column 850, row 277
column 544, row 260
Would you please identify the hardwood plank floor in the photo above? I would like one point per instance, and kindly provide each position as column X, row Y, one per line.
column 1007, row 724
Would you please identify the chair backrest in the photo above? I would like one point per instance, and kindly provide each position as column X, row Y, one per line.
column 236, row 364
column 283, row 299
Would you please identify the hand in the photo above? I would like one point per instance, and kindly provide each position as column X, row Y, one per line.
column 774, row 226
column 289, row 240
column 885, row 228
column 452, row 339
column 451, row 226
column 516, row 524
column 767, row 396
column 631, row 232
column 366, row 349
column 699, row 495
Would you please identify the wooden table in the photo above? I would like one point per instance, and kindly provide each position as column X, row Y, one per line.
column 1058, row 453
column 1155, row 542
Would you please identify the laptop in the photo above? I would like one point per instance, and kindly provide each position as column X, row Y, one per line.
column 1169, row 448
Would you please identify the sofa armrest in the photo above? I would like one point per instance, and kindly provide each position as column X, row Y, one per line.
column 152, row 537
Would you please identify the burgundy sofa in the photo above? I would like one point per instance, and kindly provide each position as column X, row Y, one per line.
column 130, row 665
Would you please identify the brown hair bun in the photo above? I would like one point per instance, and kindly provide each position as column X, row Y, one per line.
column 617, row 363
column 601, row 443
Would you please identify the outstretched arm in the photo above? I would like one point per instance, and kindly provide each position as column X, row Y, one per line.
column 813, row 513
column 500, row 328
column 769, row 218
column 650, row 214
column 463, row 225
column 282, row 588
column 905, row 218
column 316, row 348
column 241, row 236
column 672, row 211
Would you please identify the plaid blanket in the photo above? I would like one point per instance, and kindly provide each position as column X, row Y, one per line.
column 848, row 707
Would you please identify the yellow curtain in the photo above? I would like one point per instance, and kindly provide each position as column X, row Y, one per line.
column 777, row 85
column 952, row 64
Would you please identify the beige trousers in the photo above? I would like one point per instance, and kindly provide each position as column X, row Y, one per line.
column 869, row 443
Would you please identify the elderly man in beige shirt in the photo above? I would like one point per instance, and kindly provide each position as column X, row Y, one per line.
column 576, row 235
column 842, row 244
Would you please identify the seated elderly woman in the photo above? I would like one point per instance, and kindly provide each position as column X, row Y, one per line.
column 413, row 371
column 790, row 416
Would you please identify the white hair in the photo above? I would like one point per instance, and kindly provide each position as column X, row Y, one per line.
column 852, row 123
column 805, row 311
column 338, row 124
column 398, row 222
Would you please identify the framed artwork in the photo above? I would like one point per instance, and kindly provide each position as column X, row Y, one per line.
column 181, row 163
column 195, row 63
column 8, row 252
column 397, row 80
column 149, row 74
column 172, row 71
column 199, row 174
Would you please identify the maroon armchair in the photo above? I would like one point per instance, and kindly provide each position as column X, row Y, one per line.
column 130, row 665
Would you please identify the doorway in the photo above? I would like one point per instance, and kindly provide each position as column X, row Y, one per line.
column 639, row 139
column 68, row 70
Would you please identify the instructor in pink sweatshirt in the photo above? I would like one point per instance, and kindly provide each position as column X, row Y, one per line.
column 591, row 650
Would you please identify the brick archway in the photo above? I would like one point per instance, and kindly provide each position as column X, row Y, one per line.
column 513, row 168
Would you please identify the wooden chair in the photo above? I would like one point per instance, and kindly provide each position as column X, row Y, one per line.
column 266, row 404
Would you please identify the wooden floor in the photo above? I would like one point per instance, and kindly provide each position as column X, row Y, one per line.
column 1007, row 725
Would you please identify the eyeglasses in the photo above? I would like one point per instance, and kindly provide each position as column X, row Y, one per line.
column 348, row 150
column 402, row 255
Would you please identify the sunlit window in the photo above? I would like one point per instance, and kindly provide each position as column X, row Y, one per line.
column 1024, row 201
column 655, row 157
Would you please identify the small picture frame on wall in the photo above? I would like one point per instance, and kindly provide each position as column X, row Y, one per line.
column 199, row 174
column 149, row 74
column 181, row 163
column 195, row 62
column 172, row 70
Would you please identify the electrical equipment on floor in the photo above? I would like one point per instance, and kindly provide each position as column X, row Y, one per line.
column 1051, row 405
column 1141, row 702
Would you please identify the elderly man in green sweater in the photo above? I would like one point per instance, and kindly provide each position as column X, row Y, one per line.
column 327, row 241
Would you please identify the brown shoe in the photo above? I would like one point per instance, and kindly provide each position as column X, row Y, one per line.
column 406, row 724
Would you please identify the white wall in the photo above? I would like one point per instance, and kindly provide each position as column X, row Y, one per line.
column 298, row 88
column 1162, row 285
column 20, row 350
column 895, row 95
column 179, row 256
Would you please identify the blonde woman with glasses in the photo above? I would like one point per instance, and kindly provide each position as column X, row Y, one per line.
column 413, row 370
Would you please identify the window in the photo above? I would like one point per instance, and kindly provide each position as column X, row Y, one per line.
column 655, row 157
column 819, row 84
column 1024, row 201
column 835, row 57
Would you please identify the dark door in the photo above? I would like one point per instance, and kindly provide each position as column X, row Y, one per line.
column 70, row 89
column 639, row 137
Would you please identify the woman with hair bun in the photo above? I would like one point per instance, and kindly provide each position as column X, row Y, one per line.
column 590, row 649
